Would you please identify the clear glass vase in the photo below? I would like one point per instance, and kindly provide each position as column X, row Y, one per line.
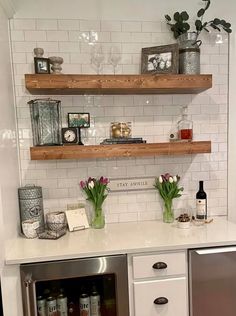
column 98, row 220
column 168, row 214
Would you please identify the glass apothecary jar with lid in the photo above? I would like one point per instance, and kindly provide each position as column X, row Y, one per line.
column 46, row 121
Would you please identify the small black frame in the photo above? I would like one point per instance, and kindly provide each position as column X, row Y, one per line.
column 80, row 120
column 41, row 65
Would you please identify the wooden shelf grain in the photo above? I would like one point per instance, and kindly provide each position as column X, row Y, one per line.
column 123, row 150
column 116, row 84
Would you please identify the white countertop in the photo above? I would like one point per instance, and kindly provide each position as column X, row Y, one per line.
column 122, row 238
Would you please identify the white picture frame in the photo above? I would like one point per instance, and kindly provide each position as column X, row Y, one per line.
column 77, row 219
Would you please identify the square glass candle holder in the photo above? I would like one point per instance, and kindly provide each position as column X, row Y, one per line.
column 45, row 121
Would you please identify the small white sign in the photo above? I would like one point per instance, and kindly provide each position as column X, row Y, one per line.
column 132, row 184
column 77, row 219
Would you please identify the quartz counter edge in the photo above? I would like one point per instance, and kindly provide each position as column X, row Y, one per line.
column 121, row 238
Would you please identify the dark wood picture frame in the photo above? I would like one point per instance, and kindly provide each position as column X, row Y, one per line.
column 80, row 120
column 160, row 59
column 41, row 65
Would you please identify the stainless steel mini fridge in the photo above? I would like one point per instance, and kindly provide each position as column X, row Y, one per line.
column 76, row 278
column 212, row 281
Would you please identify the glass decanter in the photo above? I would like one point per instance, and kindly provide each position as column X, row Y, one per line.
column 185, row 126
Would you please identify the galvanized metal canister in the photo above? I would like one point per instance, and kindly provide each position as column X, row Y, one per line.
column 31, row 203
column 189, row 54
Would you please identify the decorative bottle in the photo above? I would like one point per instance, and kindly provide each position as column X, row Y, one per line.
column 185, row 126
column 201, row 202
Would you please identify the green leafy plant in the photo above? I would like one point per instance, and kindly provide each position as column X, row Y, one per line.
column 179, row 23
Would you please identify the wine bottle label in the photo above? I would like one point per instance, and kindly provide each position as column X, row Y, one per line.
column 201, row 206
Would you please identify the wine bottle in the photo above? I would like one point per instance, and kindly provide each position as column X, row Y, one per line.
column 201, row 202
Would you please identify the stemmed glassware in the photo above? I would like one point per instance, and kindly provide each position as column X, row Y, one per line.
column 114, row 57
column 97, row 57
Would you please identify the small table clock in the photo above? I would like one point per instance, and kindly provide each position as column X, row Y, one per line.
column 69, row 135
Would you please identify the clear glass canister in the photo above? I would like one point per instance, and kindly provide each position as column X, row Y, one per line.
column 45, row 121
column 185, row 126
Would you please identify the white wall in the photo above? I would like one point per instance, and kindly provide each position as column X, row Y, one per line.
column 152, row 116
column 137, row 10
column 9, row 179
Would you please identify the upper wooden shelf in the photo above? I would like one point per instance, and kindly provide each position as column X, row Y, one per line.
column 116, row 84
column 123, row 150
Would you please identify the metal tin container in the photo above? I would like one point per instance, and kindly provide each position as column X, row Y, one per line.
column 31, row 203
column 189, row 54
column 46, row 121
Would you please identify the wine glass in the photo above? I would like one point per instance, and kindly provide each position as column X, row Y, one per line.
column 114, row 57
column 97, row 57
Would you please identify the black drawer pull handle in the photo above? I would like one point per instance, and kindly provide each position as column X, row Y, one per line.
column 161, row 301
column 159, row 265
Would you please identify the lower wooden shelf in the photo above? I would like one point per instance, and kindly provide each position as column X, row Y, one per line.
column 123, row 150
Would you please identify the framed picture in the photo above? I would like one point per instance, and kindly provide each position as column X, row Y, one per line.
column 80, row 120
column 41, row 65
column 160, row 59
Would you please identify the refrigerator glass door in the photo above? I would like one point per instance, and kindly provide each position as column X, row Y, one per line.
column 72, row 278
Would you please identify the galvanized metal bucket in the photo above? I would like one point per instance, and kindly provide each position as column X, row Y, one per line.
column 189, row 54
column 31, row 203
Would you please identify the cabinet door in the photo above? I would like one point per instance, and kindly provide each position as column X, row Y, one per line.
column 174, row 290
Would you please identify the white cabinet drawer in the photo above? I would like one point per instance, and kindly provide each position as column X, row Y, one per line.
column 146, row 292
column 166, row 264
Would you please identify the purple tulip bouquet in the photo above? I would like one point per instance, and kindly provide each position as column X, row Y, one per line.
column 96, row 191
column 168, row 188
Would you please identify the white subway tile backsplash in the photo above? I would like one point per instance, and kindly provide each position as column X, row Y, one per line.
column 19, row 58
column 35, row 36
column 24, row 24
column 128, row 217
column 46, row 24
column 131, row 26
column 152, row 116
column 141, row 37
column 119, row 37
column 48, row 47
column 90, row 25
column 58, row 36
column 151, row 26
column 17, row 35
column 111, row 26
column 68, row 25
column 23, row 47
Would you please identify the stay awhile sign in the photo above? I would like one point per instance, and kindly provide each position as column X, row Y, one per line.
column 131, row 184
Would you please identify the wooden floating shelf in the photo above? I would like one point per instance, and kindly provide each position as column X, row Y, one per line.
column 116, row 84
column 123, row 150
